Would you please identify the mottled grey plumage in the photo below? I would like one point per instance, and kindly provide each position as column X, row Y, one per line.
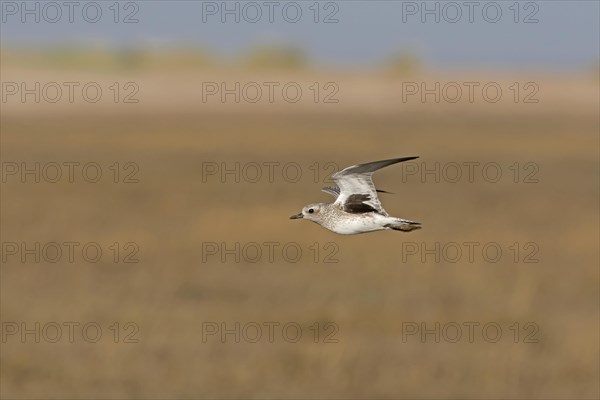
column 357, row 208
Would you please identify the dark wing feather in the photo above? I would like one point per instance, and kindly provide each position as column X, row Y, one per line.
column 358, row 204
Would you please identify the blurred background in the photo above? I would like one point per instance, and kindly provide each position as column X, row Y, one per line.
column 152, row 152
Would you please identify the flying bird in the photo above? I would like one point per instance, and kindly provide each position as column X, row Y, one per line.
column 356, row 208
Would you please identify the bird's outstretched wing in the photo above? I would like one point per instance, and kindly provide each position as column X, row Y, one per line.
column 332, row 190
column 356, row 191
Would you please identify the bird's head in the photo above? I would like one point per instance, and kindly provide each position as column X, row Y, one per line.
column 312, row 212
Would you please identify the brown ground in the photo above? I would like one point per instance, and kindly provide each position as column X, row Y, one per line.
column 369, row 293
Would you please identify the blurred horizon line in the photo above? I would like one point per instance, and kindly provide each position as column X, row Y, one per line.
column 260, row 56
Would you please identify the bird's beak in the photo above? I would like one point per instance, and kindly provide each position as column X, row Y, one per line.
column 296, row 216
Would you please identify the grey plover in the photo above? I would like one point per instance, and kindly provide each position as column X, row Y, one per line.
column 356, row 208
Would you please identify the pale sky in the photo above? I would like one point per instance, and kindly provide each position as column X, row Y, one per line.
column 566, row 34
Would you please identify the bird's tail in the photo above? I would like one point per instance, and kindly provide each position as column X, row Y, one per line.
column 403, row 225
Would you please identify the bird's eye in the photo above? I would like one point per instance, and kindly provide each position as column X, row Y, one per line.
column 310, row 211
